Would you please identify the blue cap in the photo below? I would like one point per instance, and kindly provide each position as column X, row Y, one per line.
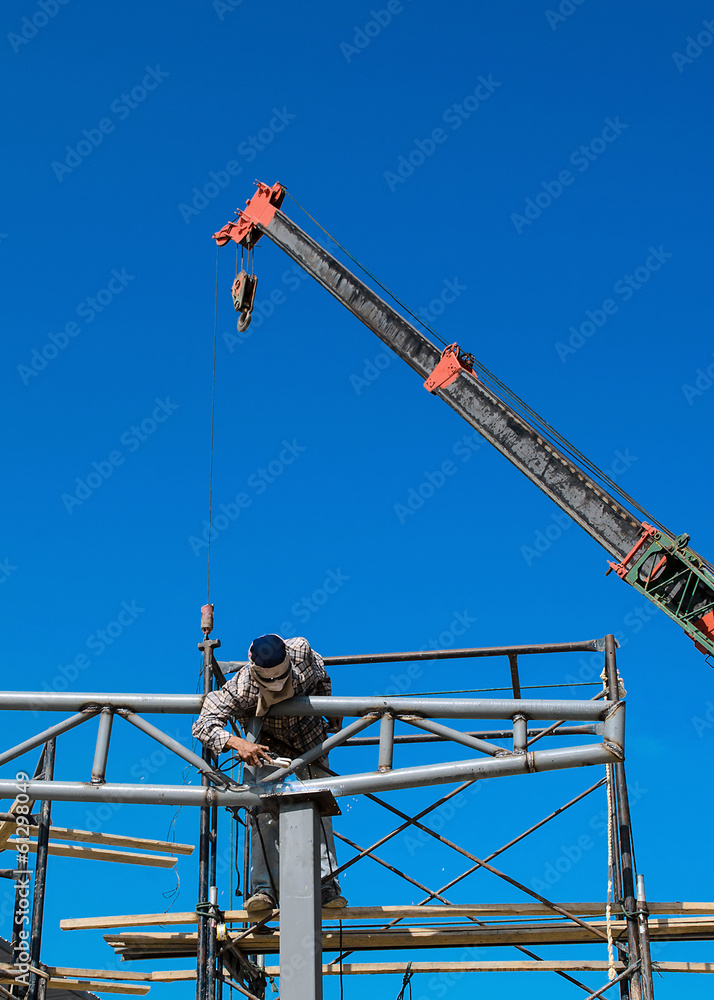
column 267, row 651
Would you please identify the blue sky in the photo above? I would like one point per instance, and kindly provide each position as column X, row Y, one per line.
column 506, row 168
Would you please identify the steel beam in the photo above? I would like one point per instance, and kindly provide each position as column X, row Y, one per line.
column 492, row 749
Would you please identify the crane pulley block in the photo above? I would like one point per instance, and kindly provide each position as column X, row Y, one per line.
column 451, row 364
column 243, row 292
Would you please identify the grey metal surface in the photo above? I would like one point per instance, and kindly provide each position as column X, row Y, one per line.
column 445, row 708
column 492, row 749
column 610, row 524
column 300, row 902
column 332, row 741
column 101, row 750
column 386, row 742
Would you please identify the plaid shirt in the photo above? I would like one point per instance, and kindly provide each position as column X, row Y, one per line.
column 283, row 735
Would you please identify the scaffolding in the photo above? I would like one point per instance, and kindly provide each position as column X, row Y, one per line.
column 231, row 949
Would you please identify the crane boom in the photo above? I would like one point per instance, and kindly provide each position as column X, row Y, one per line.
column 663, row 568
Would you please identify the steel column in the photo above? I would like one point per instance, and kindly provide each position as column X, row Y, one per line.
column 645, row 954
column 99, row 767
column 38, row 902
column 205, row 971
column 300, row 902
column 520, row 732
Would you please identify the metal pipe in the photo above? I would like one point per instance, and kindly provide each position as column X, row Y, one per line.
column 467, row 708
column 386, row 742
column 492, row 749
column 520, row 733
column 249, row 796
column 623, row 976
column 101, row 751
column 445, row 708
column 48, row 734
column 205, row 975
column 584, row 646
column 200, row 763
column 332, row 741
column 38, row 902
column 515, row 679
column 489, row 734
column 645, row 953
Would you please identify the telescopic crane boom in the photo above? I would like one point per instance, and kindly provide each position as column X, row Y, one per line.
column 662, row 567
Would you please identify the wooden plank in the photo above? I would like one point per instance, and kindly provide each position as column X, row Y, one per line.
column 144, row 945
column 114, row 840
column 101, row 854
column 382, row 968
column 377, row 913
column 96, row 986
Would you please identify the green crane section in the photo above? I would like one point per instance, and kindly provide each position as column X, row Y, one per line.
column 663, row 568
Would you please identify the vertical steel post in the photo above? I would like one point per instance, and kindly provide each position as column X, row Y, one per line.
column 520, row 732
column 300, row 901
column 205, row 976
column 101, row 751
column 386, row 742
column 627, row 865
column 38, row 902
column 645, row 954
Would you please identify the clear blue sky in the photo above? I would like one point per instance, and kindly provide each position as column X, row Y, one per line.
column 505, row 168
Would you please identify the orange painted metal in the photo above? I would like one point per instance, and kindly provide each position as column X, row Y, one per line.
column 705, row 625
column 451, row 364
column 622, row 568
column 259, row 209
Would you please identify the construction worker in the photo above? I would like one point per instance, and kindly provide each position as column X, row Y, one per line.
column 277, row 669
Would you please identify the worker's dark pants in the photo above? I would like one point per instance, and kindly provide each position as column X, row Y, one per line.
column 265, row 842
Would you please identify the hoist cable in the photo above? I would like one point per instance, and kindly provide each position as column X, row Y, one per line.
column 541, row 425
column 213, row 421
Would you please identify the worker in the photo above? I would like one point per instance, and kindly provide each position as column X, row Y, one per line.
column 277, row 669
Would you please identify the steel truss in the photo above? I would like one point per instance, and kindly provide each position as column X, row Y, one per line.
column 300, row 807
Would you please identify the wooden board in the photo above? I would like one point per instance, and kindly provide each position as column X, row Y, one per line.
column 377, row 913
column 183, row 944
column 567, row 965
column 102, row 854
column 111, row 839
column 96, row 986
